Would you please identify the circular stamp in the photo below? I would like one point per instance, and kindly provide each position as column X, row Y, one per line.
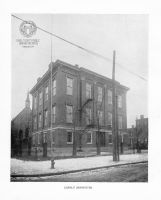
column 28, row 28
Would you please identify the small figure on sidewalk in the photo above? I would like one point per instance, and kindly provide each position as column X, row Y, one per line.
column 138, row 147
column 122, row 146
column 52, row 163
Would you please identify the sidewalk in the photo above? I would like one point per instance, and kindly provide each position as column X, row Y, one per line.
column 29, row 168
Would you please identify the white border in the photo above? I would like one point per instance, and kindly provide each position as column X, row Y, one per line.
column 40, row 191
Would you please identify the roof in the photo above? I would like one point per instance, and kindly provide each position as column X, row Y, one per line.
column 21, row 113
column 103, row 77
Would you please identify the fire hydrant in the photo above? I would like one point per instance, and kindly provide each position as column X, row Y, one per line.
column 52, row 163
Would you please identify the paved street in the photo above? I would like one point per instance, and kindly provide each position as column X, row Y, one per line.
column 129, row 173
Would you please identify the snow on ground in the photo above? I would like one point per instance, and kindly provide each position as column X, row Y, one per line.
column 40, row 167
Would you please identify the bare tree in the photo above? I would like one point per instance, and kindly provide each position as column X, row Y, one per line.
column 138, row 134
column 98, row 125
column 98, row 121
column 75, row 137
column 77, row 113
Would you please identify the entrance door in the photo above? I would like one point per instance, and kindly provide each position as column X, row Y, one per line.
column 102, row 139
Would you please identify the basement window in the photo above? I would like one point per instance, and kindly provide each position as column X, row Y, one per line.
column 69, row 137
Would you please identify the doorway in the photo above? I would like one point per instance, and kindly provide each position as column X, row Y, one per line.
column 102, row 139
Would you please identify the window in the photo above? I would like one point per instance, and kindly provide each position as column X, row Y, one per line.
column 45, row 117
column 69, row 137
column 33, row 140
column 35, row 102
column 40, row 120
column 88, row 116
column 131, row 141
column 88, row 91
column 120, row 122
column 89, row 138
column 44, row 137
column 69, row 86
column 40, row 98
column 109, row 93
column 46, row 93
column 35, row 123
column 99, row 94
column 54, row 87
column 109, row 120
column 100, row 117
column 119, row 101
column 53, row 114
column 38, row 138
column 53, row 137
column 137, row 123
column 69, row 114
column 110, row 139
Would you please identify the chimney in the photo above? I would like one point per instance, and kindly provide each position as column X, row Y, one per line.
column 141, row 116
column 51, row 65
column 76, row 65
column 38, row 79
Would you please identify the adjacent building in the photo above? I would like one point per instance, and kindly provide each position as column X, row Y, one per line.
column 68, row 100
column 142, row 130
column 138, row 134
column 20, row 131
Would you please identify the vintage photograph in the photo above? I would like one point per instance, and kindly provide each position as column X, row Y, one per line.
column 79, row 101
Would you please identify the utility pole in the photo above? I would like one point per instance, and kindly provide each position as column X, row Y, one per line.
column 74, row 133
column 114, row 115
column 51, row 134
column 117, row 132
column 51, row 92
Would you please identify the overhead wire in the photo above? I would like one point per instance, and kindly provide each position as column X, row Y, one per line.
column 85, row 49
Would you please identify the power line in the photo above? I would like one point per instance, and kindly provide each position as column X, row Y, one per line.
column 135, row 74
column 84, row 49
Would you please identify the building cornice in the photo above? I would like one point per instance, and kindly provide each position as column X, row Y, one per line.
column 58, row 63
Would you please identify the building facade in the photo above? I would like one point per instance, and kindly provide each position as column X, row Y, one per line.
column 70, row 99
column 138, row 134
column 142, row 130
column 20, row 131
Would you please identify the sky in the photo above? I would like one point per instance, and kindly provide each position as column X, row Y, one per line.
column 126, row 34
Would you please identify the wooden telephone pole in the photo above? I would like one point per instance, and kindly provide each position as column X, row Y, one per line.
column 114, row 115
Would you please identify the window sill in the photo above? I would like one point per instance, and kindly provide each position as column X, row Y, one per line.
column 69, row 142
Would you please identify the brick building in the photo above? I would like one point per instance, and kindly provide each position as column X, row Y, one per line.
column 81, row 100
column 138, row 134
column 142, row 130
column 20, row 131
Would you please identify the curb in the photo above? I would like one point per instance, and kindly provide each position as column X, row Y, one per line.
column 74, row 171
